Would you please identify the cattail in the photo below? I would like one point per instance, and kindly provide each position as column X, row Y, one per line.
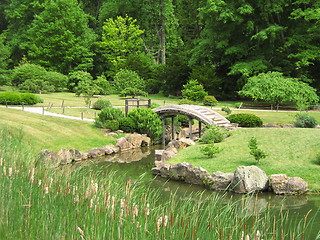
column 50, row 181
column 4, row 171
column 165, row 221
column 95, row 187
column 113, row 200
column 46, row 190
column 247, row 237
column 159, row 222
column 242, row 235
column 1, row 161
column 122, row 203
column 74, row 190
column 76, row 199
column 81, row 232
column 138, row 225
column 108, row 201
column 10, row 172
column 147, row 210
column 39, row 182
column 135, row 210
column 257, row 235
column 91, row 202
column 32, row 175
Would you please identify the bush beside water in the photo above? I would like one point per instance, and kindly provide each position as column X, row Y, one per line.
column 65, row 203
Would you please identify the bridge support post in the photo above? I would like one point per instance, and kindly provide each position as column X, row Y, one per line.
column 190, row 128
column 172, row 127
column 163, row 131
column 200, row 129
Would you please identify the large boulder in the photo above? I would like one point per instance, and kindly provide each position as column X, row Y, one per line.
column 49, row 159
column 131, row 141
column 185, row 142
column 220, row 181
column 123, row 144
column 282, row 184
column 248, row 179
column 197, row 176
column 180, row 171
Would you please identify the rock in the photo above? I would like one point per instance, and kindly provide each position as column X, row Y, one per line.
column 220, row 181
column 169, row 153
column 123, row 144
column 76, row 154
column 248, row 179
column 281, row 184
column 109, row 149
column 112, row 134
column 287, row 125
column 49, row 159
column 158, row 155
column 180, row 171
column 271, row 125
column 173, row 143
column 198, row 176
column 138, row 140
column 64, row 156
column 185, row 142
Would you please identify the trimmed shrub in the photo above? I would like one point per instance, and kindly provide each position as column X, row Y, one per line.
column 305, row 121
column 127, row 125
column 214, row 134
column 245, row 120
column 194, row 91
column 16, row 98
column 108, row 114
column 101, row 103
column 147, row 122
column 210, row 101
column 113, row 125
column 186, row 101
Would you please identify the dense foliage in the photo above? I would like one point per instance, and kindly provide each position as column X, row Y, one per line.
column 17, row 98
column 214, row 134
column 147, row 122
column 221, row 44
column 305, row 121
column 245, row 120
column 108, row 114
column 101, row 103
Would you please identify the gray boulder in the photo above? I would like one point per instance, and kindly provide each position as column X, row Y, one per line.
column 49, row 159
column 220, row 181
column 248, row 179
column 282, row 184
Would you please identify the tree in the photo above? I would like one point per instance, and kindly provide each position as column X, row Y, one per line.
column 59, row 38
column 194, row 91
column 76, row 76
column 4, row 53
column 128, row 79
column 275, row 88
column 256, row 152
column 120, row 37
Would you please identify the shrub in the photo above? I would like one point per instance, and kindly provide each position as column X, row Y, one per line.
column 108, row 114
column 305, row 121
column 113, row 125
column 194, row 91
column 210, row 101
column 257, row 153
column 126, row 124
column 101, row 103
column 186, row 101
column 245, row 120
column 155, row 105
column 16, row 98
column 147, row 122
column 214, row 134
column 103, row 86
column 226, row 110
column 210, row 150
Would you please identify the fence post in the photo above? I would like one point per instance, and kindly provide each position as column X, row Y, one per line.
column 149, row 103
column 62, row 105
column 22, row 105
column 43, row 110
column 63, row 110
column 6, row 103
column 81, row 115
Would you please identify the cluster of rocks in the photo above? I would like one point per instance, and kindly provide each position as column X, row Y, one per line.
column 246, row 179
column 53, row 159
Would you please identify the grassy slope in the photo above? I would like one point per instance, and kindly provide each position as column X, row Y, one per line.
column 290, row 151
column 45, row 132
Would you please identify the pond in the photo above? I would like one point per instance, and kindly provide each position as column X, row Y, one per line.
column 137, row 164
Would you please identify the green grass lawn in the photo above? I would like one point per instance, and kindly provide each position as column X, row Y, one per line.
column 291, row 151
column 46, row 132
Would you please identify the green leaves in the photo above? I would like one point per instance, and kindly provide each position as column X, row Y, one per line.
column 256, row 152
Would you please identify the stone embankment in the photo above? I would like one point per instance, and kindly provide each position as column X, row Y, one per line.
column 53, row 159
column 245, row 179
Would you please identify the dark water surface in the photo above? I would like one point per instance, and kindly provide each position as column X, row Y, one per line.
column 132, row 165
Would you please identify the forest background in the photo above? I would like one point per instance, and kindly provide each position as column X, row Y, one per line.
column 166, row 42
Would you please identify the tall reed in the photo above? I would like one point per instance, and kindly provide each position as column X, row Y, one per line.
column 38, row 203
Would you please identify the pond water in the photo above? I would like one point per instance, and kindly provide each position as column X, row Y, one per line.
column 132, row 165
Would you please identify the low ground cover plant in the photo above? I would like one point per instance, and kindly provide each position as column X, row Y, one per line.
column 245, row 120
column 17, row 98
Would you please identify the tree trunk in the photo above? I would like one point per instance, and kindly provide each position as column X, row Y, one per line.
column 162, row 35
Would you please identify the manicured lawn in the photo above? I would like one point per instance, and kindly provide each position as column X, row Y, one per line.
column 46, row 132
column 290, row 150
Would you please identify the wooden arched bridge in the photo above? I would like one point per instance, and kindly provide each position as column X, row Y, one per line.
column 204, row 115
